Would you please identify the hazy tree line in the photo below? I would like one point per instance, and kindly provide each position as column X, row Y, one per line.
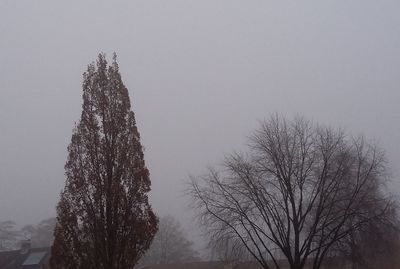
column 40, row 235
column 302, row 195
column 170, row 244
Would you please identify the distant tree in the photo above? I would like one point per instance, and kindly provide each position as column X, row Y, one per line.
column 8, row 235
column 104, row 220
column 376, row 244
column 227, row 249
column 170, row 244
column 299, row 190
column 42, row 234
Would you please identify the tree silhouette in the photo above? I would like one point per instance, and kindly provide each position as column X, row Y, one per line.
column 8, row 235
column 170, row 245
column 104, row 219
column 299, row 190
column 42, row 234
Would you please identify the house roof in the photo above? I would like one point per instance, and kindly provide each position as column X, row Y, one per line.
column 33, row 258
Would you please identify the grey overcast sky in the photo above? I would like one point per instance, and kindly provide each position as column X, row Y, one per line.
column 201, row 74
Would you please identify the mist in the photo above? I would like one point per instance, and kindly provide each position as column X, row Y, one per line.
column 201, row 75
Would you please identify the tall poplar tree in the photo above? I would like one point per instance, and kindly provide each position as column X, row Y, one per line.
column 104, row 220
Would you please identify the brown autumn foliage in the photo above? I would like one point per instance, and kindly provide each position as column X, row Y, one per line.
column 104, row 219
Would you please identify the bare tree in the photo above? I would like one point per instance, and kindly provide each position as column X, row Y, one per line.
column 104, row 219
column 376, row 244
column 8, row 235
column 300, row 189
column 228, row 250
column 42, row 234
column 170, row 244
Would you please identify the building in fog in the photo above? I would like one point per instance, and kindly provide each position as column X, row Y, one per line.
column 25, row 258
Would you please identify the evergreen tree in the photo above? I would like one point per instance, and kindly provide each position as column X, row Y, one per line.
column 104, row 220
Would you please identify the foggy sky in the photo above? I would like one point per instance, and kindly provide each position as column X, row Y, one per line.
column 201, row 74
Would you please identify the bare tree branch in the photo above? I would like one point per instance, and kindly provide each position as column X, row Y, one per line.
column 300, row 189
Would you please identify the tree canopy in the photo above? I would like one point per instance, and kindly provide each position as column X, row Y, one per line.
column 299, row 190
column 104, row 219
